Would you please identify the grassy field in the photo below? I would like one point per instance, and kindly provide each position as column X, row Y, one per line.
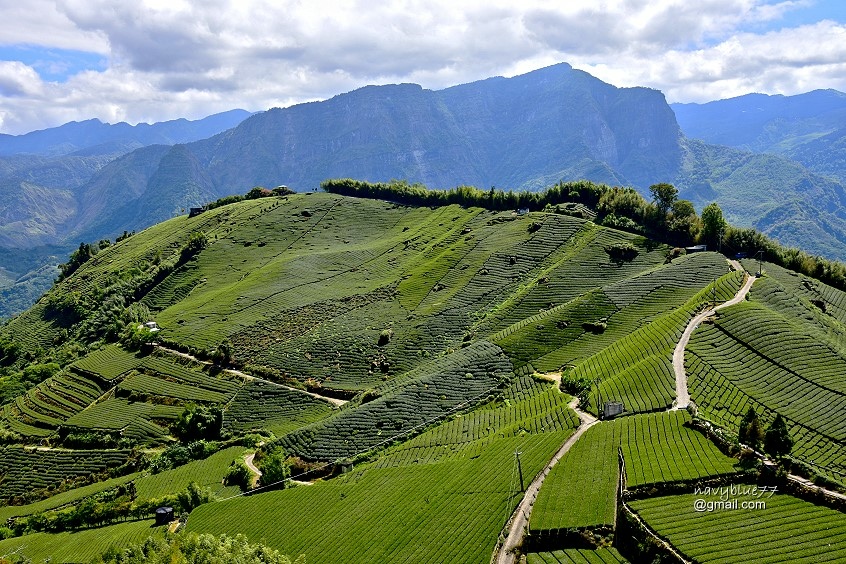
column 786, row 529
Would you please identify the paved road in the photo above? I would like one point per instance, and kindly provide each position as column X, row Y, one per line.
column 682, row 395
column 519, row 523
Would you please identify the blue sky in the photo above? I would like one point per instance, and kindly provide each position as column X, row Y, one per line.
column 53, row 64
column 153, row 60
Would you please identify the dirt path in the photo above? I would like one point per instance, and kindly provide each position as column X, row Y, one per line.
column 518, row 525
column 248, row 460
column 334, row 401
column 682, row 395
column 809, row 484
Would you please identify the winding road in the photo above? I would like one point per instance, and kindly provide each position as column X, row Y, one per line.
column 682, row 395
column 518, row 525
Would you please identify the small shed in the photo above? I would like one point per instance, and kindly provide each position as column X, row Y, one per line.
column 152, row 326
column 195, row 211
column 522, row 211
column 164, row 515
column 612, row 409
column 696, row 249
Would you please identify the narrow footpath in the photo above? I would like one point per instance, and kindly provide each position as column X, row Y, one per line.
column 682, row 395
column 518, row 525
column 334, row 401
column 248, row 460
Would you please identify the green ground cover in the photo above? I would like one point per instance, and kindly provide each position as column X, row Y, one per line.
column 787, row 529
column 580, row 491
column 263, row 405
column 27, row 470
column 135, row 420
column 657, row 447
column 79, row 546
column 426, row 314
column 576, row 556
column 108, row 363
column 207, row 473
column 396, row 508
column 64, row 498
column 447, row 385
column 778, row 353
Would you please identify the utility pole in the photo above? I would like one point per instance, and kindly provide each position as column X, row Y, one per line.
column 759, row 255
column 714, row 291
column 517, row 453
column 720, row 240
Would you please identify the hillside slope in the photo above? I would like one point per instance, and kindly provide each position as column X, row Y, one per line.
column 432, row 324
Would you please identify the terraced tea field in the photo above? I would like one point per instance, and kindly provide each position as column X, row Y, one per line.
column 577, row 556
column 659, row 448
column 779, row 354
column 580, row 491
column 396, row 507
column 784, row 529
column 432, row 324
column 27, row 470
column 79, row 546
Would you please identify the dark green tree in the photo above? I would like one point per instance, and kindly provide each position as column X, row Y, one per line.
column 223, row 353
column 196, row 243
column 664, row 196
column 199, row 422
column 274, row 469
column 36, row 373
column 777, row 439
column 193, row 548
column 77, row 259
column 751, row 433
column 713, row 223
column 238, row 475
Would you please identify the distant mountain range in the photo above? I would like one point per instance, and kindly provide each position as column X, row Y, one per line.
column 41, row 174
column 92, row 137
column 809, row 128
column 525, row 132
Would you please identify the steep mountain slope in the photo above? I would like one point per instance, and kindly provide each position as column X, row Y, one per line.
column 528, row 131
column 45, row 189
column 777, row 196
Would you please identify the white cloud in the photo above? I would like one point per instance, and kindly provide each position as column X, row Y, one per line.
column 171, row 58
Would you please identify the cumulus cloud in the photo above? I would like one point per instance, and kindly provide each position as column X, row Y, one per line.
column 172, row 58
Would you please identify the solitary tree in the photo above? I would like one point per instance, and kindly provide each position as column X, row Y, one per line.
column 713, row 223
column 750, row 432
column 777, row 439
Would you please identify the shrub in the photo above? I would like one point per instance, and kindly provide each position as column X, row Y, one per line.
column 622, row 252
